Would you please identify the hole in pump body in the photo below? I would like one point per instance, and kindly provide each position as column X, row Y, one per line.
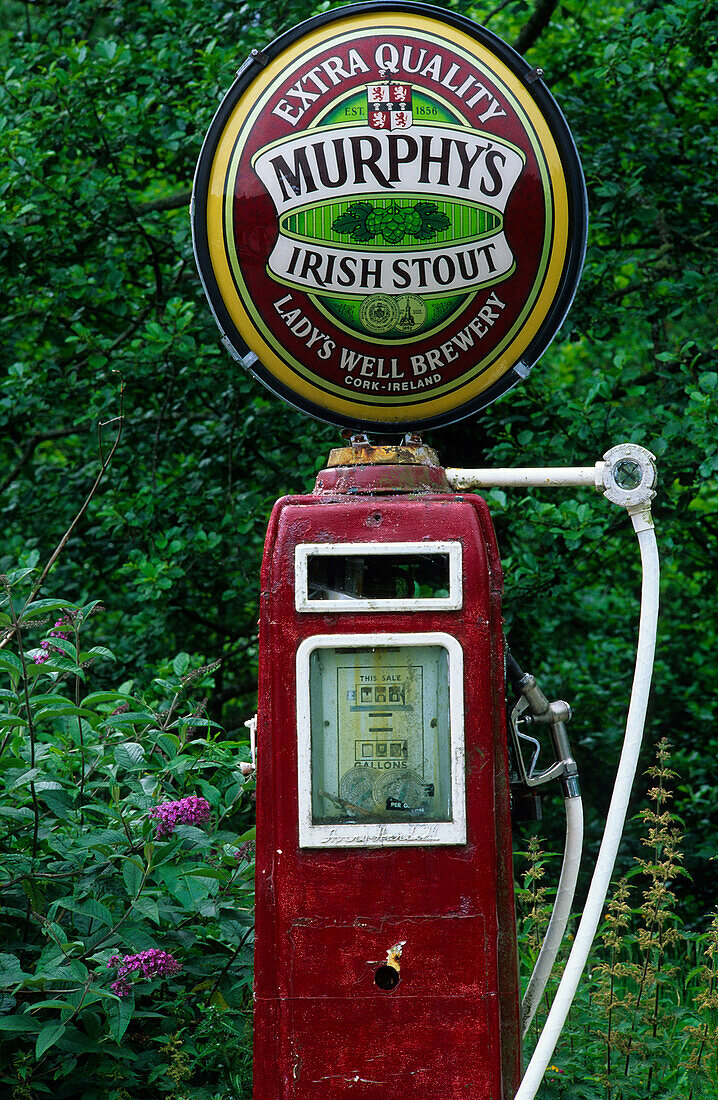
column 387, row 978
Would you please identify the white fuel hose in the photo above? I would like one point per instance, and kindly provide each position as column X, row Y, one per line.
column 616, row 817
column 561, row 911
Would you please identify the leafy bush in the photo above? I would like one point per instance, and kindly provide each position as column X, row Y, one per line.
column 644, row 1025
column 127, row 872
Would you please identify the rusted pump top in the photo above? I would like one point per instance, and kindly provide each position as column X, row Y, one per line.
column 363, row 467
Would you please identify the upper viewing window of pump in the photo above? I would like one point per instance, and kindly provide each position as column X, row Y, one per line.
column 360, row 576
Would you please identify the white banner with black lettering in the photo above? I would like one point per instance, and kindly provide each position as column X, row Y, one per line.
column 345, row 272
column 443, row 162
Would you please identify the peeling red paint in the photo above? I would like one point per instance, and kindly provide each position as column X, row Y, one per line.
column 327, row 918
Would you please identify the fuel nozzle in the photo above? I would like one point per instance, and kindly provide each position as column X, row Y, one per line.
column 533, row 706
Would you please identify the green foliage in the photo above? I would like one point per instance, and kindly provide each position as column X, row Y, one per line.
column 103, row 109
column 88, row 876
column 643, row 1026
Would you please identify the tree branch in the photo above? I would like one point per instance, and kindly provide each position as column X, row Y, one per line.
column 104, row 463
column 169, row 202
column 536, row 25
column 33, row 442
column 504, row 4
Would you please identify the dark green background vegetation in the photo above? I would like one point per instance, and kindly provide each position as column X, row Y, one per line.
column 103, row 109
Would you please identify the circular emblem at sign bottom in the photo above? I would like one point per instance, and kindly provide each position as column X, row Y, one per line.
column 412, row 313
column 378, row 313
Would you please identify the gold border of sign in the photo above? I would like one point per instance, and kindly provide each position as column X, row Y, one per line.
column 462, row 392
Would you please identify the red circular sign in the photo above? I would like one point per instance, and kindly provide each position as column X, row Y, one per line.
column 389, row 217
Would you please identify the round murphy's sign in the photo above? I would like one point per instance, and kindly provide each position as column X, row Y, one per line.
column 389, row 217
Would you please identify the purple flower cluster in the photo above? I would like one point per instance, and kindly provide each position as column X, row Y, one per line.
column 148, row 964
column 60, row 630
column 192, row 810
column 246, row 852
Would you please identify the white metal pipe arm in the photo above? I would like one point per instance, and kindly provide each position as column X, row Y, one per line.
column 626, row 475
column 553, row 476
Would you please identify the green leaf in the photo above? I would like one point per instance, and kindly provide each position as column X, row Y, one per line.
column 10, row 661
column 91, row 908
column 95, row 697
column 129, row 718
column 180, row 664
column 345, row 223
column 16, row 575
column 31, row 611
column 68, row 648
column 363, row 233
column 21, row 1024
column 354, row 221
column 119, row 1014
column 169, row 687
column 54, row 929
column 132, row 874
column 147, row 907
column 11, row 973
column 437, row 221
column 129, row 755
column 25, row 779
column 62, row 969
column 63, row 665
column 62, row 707
column 88, row 608
column 190, row 892
column 12, row 720
column 101, row 651
column 48, row 1037
column 169, row 743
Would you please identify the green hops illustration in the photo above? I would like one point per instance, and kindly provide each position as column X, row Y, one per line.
column 364, row 222
column 432, row 221
column 374, row 222
column 393, row 224
column 413, row 220
column 355, row 222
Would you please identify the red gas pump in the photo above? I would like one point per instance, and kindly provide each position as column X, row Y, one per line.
column 389, row 220
column 385, row 951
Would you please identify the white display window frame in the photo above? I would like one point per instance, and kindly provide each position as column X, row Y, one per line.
column 304, row 551
column 378, row 834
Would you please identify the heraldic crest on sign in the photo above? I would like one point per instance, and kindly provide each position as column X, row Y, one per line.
column 387, row 222
column 389, row 106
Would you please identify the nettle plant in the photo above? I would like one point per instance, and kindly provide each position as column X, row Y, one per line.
column 127, row 871
column 644, row 1025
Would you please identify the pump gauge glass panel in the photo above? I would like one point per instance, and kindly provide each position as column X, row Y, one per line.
column 381, row 743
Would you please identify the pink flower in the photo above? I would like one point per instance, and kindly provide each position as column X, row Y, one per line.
column 192, row 810
column 148, row 964
column 47, row 645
